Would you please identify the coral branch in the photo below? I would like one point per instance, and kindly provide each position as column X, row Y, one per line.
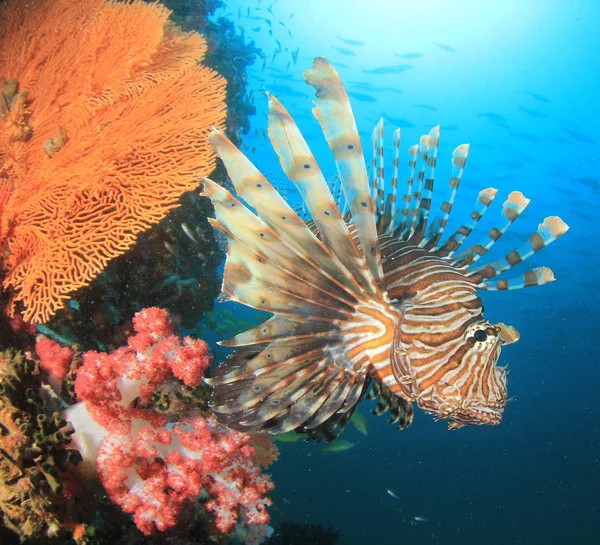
column 149, row 466
column 103, row 126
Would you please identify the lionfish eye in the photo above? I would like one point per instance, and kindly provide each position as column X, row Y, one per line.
column 480, row 335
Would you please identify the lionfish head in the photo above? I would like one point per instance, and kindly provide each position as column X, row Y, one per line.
column 467, row 387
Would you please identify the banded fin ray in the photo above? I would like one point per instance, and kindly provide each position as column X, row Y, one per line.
column 239, row 223
column 535, row 277
column 254, row 188
column 429, row 152
column 455, row 241
column 459, row 159
column 548, row 231
column 302, row 169
column 332, row 110
column 513, row 207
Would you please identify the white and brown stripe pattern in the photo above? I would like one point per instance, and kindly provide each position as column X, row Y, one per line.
column 371, row 297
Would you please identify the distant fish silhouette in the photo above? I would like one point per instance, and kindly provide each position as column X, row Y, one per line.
column 524, row 157
column 344, row 51
column 389, row 89
column 579, row 136
column 533, row 113
column 527, row 136
column 566, row 191
column 349, row 41
column 450, row 127
column 409, row 55
column 284, row 90
column 588, row 181
column 539, row 98
column 515, row 164
column 444, row 46
column 399, row 122
column 559, row 139
column 360, row 84
column 395, row 69
column 427, row 107
column 362, row 97
column 560, row 167
column 496, row 118
column 339, row 446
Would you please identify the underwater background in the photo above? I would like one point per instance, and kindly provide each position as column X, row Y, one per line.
column 518, row 81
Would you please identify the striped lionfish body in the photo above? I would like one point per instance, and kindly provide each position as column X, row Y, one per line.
column 365, row 303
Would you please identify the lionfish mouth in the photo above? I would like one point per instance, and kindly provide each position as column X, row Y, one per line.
column 481, row 416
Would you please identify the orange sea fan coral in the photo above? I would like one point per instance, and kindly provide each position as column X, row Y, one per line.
column 104, row 117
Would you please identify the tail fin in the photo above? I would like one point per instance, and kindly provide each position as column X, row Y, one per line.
column 307, row 366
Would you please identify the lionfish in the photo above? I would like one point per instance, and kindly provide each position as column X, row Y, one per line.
column 369, row 302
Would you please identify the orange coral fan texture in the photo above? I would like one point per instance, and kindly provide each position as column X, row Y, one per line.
column 103, row 125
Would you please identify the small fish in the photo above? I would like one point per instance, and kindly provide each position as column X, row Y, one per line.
column 344, row 51
column 339, row 446
column 362, row 97
column 74, row 304
column 539, row 98
column 389, row 90
column 349, row 41
column 359, row 421
column 360, row 85
column 290, row 437
column 189, row 233
column 558, row 138
column 444, row 46
column 270, row 8
column 426, row 107
column 496, row 118
column 579, row 136
column 256, row 29
column 286, row 90
column 200, row 234
column 515, row 164
column 390, row 492
column 170, row 248
column 295, row 55
column 409, row 55
column 419, row 519
column 588, row 181
column 395, row 69
column 398, row 122
column 527, row 136
column 533, row 113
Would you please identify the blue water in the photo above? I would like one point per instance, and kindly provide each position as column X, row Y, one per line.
column 518, row 80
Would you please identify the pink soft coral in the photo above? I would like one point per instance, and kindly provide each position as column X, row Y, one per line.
column 148, row 466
